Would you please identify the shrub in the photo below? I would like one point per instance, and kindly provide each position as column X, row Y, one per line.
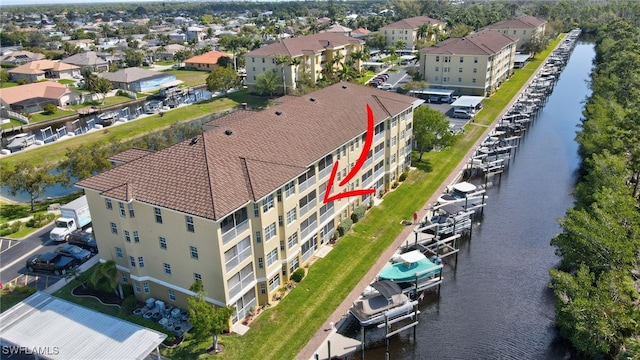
column 11, row 229
column 50, row 109
column 344, row 226
column 403, row 176
column 395, row 185
column 127, row 290
column 298, row 275
column 39, row 220
column 129, row 304
column 358, row 213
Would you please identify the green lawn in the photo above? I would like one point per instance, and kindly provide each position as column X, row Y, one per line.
column 190, row 77
column 66, row 81
column 12, row 124
column 55, row 152
column 300, row 314
column 8, row 299
column 7, row 84
column 110, row 100
column 41, row 116
column 165, row 62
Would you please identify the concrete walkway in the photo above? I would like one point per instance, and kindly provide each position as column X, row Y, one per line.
column 315, row 345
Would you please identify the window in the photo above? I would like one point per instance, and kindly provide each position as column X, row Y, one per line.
column 461, row 59
column 189, row 220
column 267, row 203
column 136, row 237
column 114, row 228
column 435, row 78
column 123, row 213
column 132, row 261
column 459, row 80
column 263, row 60
column 475, row 60
column 131, row 212
column 167, row 269
column 274, row 283
column 294, row 265
column 270, row 231
column 163, row 243
column 280, row 220
column 394, row 141
column 437, row 68
column 256, row 210
column 124, row 277
column 263, row 289
column 137, row 286
column 118, row 252
column 260, row 263
column 292, row 240
column 140, row 261
column 158, row 214
column 437, row 58
column 291, row 216
column 253, row 59
column 473, row 80
column 282, row 246
column 194, row 252
column 108, row 204
column 172, row 295
column 289, row 189
column 459, row 69
column 146, row 287
column 272, row 257
column 393, row 158
column 258, row 237
column 197, row 277
column 127, row 237
column 475, row 70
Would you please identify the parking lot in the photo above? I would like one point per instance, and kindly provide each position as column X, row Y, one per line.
column 456, row 124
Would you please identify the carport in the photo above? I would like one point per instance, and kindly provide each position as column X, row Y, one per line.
column 57, row 329
column 468, row 103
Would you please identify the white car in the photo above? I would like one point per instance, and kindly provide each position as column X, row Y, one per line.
column 385, row 86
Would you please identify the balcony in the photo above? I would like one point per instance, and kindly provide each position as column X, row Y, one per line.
column 312, row 228
column 232, row 263
column 324, row 172
column 378, row 155
column 378, row 173
column 235, row 232
column 367, row 182
column 308, row 254
column 307, row 207
column 379, row 136
column 408, row 150
column 367, row 163
column 244, row 282
column 327, row 215
column 409, row 132
column 307, row 184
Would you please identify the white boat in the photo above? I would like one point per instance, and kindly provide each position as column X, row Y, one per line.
column 387, row 302
column 21, row 141
column 465, row 194
column 108, row 118
column 447, row 219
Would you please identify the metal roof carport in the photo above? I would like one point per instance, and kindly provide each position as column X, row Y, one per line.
column 58, row 329
column 467, row 102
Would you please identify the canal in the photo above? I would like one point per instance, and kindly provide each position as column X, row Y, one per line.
column 496, row 304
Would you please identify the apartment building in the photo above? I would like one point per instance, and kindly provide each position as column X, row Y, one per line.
column 524, row 28
column 409, row 31
column 240, row 207
column 310, row 55
column 473, row 65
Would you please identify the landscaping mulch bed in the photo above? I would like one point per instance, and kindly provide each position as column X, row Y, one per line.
column 104, row 296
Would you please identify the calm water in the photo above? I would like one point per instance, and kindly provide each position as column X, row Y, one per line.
column 495, row 304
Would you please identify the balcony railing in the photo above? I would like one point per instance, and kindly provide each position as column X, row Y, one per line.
column 327, row 237
column 324, row 172
column 327, row 215
column 409, row 132
column 307, row 184
column 235, row 232
column 245, row 281
column 313, row 227
column 308, row 206
column 379, row 136
column 367, row 163
column 366, row 182
column 238, row 259
column 242, row 313
column 378, row 172
column 378, row 155
column 308, row 254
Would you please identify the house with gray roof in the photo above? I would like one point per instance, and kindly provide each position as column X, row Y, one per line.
column 139, row 80
column 89, row 59
column 476, row 64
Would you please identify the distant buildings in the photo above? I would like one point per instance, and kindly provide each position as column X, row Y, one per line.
column 44, row 69
column 139, row 80
column 524, row 28
column 408, row 30
column 31, row 98
column 90, row 60
column 207, row 61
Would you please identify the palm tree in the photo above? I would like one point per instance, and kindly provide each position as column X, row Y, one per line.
column 423, row 30
column 105, row 276
column 283, row 60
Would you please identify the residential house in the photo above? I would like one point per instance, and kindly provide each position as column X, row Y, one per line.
column 89, row 59
column 360, row 33
column 408, row 29
column 339, row 29
column 20, row 57
column 178, row 36
column 195, row 32
column 83, row 44
column 240, row 207
column 524, row 28
column 44, row 69
column 33, row 97
column 167, row 52
column 139, row 80
column 207, row 61
column 311, row 53
column 473, row 65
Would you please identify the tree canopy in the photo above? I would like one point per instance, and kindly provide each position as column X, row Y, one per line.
column 31, row 179
column 221, row 79
column 430, row 130
column 207, row 320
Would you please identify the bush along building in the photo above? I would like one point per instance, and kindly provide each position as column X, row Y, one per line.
column 240, row 207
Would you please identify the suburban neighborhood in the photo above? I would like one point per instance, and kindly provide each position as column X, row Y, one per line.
column 273, row 132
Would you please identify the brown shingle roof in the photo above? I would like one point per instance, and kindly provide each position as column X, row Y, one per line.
column 130, row 155
column 222, row 171
column 485, row 42
column 522, row 22
column 412, row 23
column 298, row 46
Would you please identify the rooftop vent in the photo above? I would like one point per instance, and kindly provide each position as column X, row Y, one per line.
column 313, row 99
column 344, row 86
column 278, row 113
column 228, row 132
column 193, row 141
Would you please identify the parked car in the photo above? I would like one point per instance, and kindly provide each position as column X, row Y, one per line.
column 446, row 99
column 434, row 99
column 375, row 83
column 84, row 240
column 385, row 86
column 51, row 262
column 462, row 114
column 79, row 254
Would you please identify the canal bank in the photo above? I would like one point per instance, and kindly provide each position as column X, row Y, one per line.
column 405, row 347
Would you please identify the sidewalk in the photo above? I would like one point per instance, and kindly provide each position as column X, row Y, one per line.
column 317, row 344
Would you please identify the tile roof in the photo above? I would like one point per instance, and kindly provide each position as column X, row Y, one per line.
column 522, row 22
column 130, row 155
column 22, row 56
column 298, row 46
column 412, row 23
column 40, row 66
column 132, row 74
column 44, row 89
column 243, row 159
column 485, row 42
column 208, row 58
column 88, row 58
column 362, row 31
